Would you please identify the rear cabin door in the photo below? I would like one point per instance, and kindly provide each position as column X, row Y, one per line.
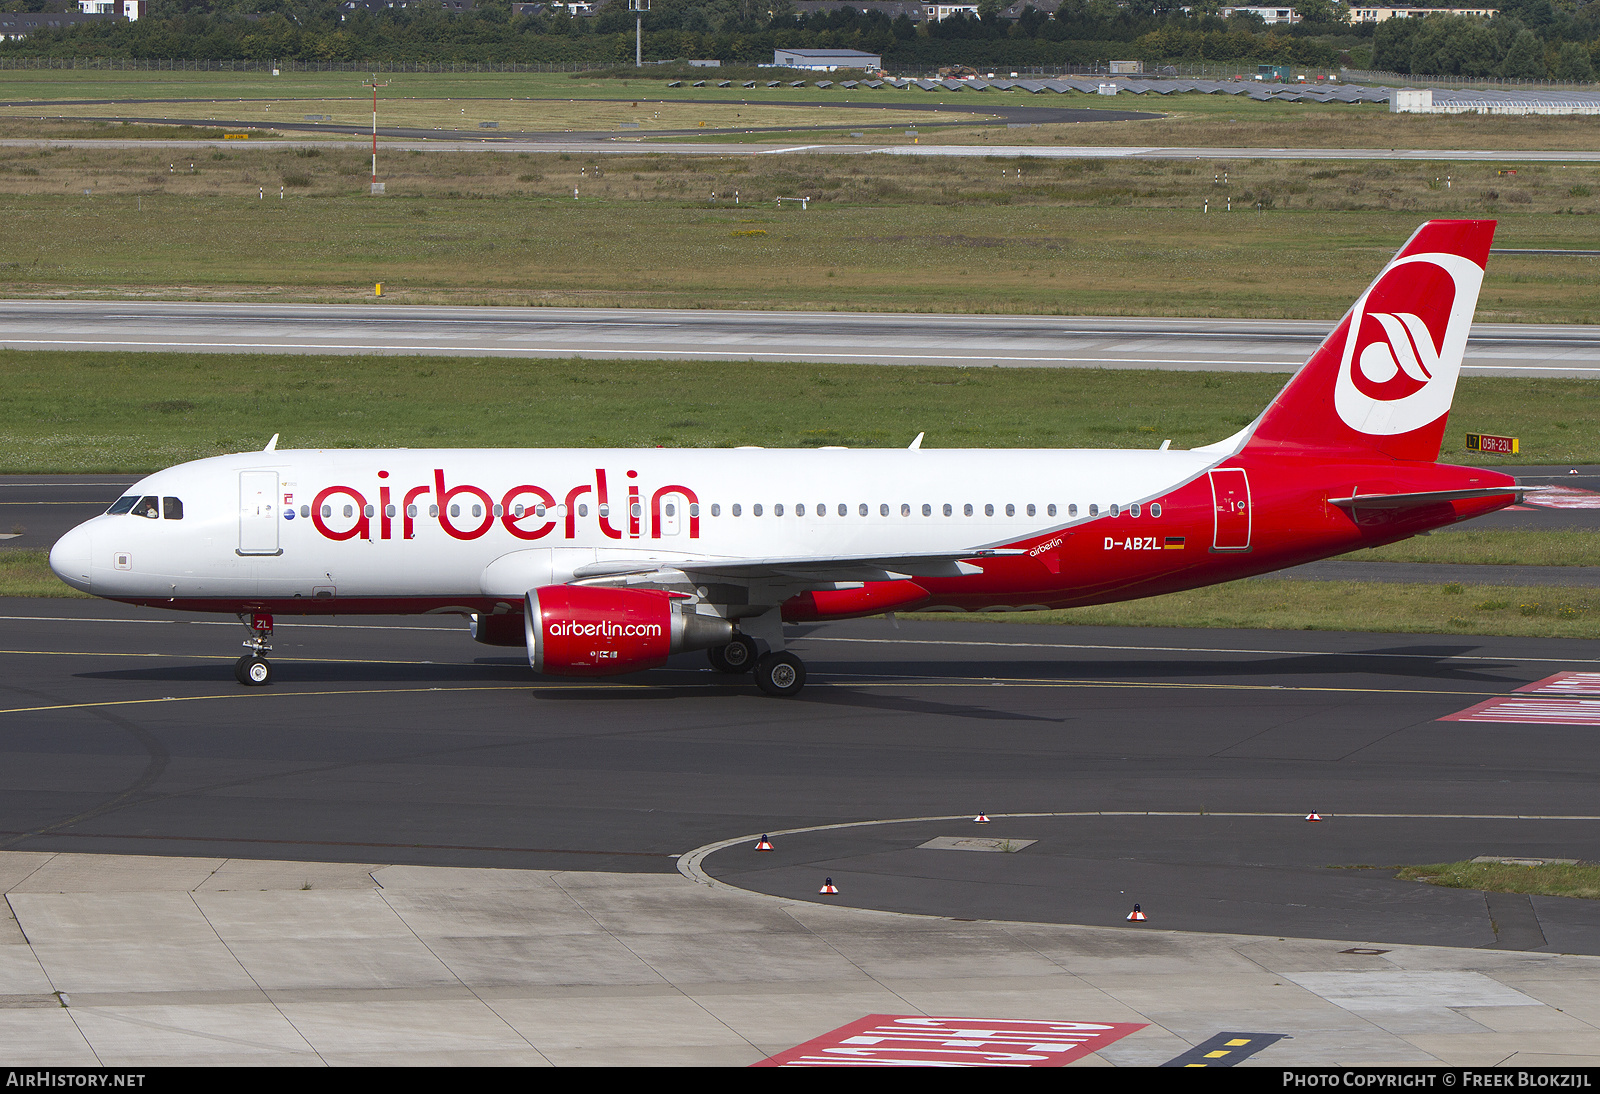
column 258, row 513
column 1230, row 497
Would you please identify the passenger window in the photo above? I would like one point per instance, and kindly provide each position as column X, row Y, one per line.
column 777, row 510
column 147, row 507
column 171, row 509
column 411, row 511
column 1114, row 510
column 122, row 505
column 755, row 509
column 927, row 510
column 716, row 510
column 883, row 509
column 1072, row 510
column 305, row 510
column 947, row 509
column 1051, row 509
column 988, row 510
column 1031, row 510
column 735, row 509
column 1134, row 509
column 966, row 510
column 799, row 511
column 844, row 510
column 1094, row 510
column 1011, row 510
column 1155, row 509
column 905, row 510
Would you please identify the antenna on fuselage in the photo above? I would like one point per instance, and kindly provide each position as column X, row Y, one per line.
column 272, row 444
column 916, row 444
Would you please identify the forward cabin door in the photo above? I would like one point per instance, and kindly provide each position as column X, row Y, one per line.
column 1230, row 498
column 258, row 513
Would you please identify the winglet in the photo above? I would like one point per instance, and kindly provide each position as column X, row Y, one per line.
column 272, row 445
column 916, row 444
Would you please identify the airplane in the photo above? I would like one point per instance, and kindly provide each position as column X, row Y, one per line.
column 602, row 562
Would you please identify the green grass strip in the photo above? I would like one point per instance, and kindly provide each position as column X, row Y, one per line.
column 1552, row 879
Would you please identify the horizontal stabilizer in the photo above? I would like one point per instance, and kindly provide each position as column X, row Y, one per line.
column 1428, row 497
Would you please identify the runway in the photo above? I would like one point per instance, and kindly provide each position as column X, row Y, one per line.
column 1013, row 341
column 1167, row 767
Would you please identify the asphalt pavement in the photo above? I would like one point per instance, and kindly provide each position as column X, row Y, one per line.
column 1012, row 341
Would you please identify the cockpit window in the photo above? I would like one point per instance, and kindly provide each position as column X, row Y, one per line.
column 148, row 507
column 172, row 508
column 122, row 505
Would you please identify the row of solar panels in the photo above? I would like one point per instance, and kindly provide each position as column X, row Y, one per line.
column 1533, row 95
column 1261, row 92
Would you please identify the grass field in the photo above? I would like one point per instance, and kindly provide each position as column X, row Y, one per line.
column 1469, row 546
column 1539, row 611
column 1188, row 119
column 85, row 412
column 1551, row 879
column 884, row 233
column 1105, row 242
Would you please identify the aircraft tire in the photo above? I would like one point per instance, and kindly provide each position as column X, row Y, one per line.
column 253, row 671
column 781, row 674
column 737, row 656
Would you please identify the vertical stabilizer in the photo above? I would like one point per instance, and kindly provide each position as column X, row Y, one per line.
column 1384, row 379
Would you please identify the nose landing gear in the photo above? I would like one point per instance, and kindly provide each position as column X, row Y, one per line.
column 253, row 669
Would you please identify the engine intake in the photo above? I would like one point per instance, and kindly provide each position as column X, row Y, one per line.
column 582, row 630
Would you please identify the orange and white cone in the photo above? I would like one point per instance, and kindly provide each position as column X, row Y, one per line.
column 828, row 887
column 1136, row 916
column 1313, row 816
column 764, row 844
column 981, row 818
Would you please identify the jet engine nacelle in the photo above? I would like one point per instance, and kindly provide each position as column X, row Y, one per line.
column 580, row 630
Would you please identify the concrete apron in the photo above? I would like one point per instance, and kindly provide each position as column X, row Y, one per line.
column 125, row 962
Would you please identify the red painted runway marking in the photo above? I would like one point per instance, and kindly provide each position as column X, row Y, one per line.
column 1561, row 497
column 908, row 1040
column 1565, row 683
column 1532, row 710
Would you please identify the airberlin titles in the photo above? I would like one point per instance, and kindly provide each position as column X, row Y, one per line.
column 467, row 512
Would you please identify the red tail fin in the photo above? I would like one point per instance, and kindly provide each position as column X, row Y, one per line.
column 1385, row 377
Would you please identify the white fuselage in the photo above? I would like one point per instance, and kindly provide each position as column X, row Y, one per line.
column 461, row 523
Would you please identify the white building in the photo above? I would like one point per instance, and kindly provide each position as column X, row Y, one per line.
column 825, row 60
column 1380, row 15
column 128, row 9
column 940, row 12
column 1268, row 15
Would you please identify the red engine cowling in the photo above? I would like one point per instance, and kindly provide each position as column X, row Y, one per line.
column 580, row 630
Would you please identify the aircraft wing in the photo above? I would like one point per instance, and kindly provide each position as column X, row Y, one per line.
column 806, row 569
column 1429, row 497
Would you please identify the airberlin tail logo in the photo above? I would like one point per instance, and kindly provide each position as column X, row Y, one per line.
column 1404, row 343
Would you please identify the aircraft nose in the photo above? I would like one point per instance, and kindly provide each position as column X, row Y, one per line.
column 71, row 555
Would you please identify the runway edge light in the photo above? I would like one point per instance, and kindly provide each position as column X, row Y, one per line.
column 763, row 844
column 1313, row 816
column 828, row 887
column 1136, row 916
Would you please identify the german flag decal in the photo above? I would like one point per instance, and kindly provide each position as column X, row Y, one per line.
column 1173, row 543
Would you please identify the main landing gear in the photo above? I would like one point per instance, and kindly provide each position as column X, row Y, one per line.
column 253, row 669
column 781, row 674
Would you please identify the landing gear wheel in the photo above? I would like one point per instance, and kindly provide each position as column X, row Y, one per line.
column 737, row 656
column 252, row 671
column 780, row 674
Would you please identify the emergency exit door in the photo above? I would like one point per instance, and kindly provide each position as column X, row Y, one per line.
column 1230, row 508
column 258, row 513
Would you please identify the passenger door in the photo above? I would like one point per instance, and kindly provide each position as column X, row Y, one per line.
column 1230, row 497
column 258, row 513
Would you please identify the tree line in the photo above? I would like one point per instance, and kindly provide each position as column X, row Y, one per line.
column 1530, row 39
